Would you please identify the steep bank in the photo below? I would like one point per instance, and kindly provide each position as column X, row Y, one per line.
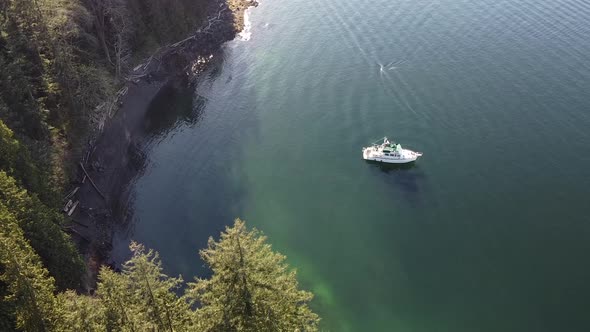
column 114, row 157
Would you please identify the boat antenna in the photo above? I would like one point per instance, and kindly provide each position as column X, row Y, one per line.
column 378, row 141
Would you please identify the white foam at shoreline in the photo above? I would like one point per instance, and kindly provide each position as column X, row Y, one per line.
column 246, row 34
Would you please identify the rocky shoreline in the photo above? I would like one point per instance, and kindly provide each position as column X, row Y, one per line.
column 97, row 203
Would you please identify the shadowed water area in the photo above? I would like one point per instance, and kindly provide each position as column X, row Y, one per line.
column 488, row 231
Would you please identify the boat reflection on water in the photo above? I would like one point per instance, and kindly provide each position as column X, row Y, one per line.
column 407, row 179
column 387, row 167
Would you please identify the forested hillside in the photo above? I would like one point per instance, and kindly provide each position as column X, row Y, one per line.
column 60, row 59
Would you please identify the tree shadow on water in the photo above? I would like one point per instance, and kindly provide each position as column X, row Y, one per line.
column 174, row 105
column 179, row 101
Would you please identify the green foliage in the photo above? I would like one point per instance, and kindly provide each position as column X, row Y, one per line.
column 16, row 160
column 28, row 284
column 7, row 309
column 112, row 291
column 81, row 313
column 93, row 84
column 9, row 148
column 142, row 297
column 62, row 58
column 41, row 226
column 24, row 59
column 252, row 288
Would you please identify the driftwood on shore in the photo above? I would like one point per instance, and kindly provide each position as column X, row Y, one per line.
column 92, row 182
column 68, row 206
column 73, row 230
column 73, row 208
column 71, row 194
column 78, row 223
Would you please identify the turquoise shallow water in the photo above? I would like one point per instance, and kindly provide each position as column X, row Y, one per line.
column 489, row 231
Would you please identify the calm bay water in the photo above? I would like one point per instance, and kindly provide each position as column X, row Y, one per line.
column 489, row 231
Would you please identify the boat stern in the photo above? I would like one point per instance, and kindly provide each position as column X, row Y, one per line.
column 366, row 153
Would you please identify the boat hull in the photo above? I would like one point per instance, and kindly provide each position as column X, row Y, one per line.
column 410, row 157
column 391, row 161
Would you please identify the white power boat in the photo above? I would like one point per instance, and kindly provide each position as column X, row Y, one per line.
column 389, row 152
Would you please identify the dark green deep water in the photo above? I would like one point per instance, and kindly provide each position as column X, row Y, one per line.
column 489, row 231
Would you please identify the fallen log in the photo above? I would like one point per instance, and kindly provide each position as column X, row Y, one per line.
column 78, row 223
column 68, row 206
column 73, row 208
column 77, row 233
column 92, row 182
column 72, row 193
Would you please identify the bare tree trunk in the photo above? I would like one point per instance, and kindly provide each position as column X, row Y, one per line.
column 119, row 20
column 118, row 70
column 99, row 11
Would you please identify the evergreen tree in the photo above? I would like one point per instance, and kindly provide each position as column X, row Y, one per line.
column 41, row 226
column 114, row 294
column 29, row 286
column 252, row 288
column 142, row 297
column 16, row 160
column 81, row 313
column 24, row 59
column 7, row 309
